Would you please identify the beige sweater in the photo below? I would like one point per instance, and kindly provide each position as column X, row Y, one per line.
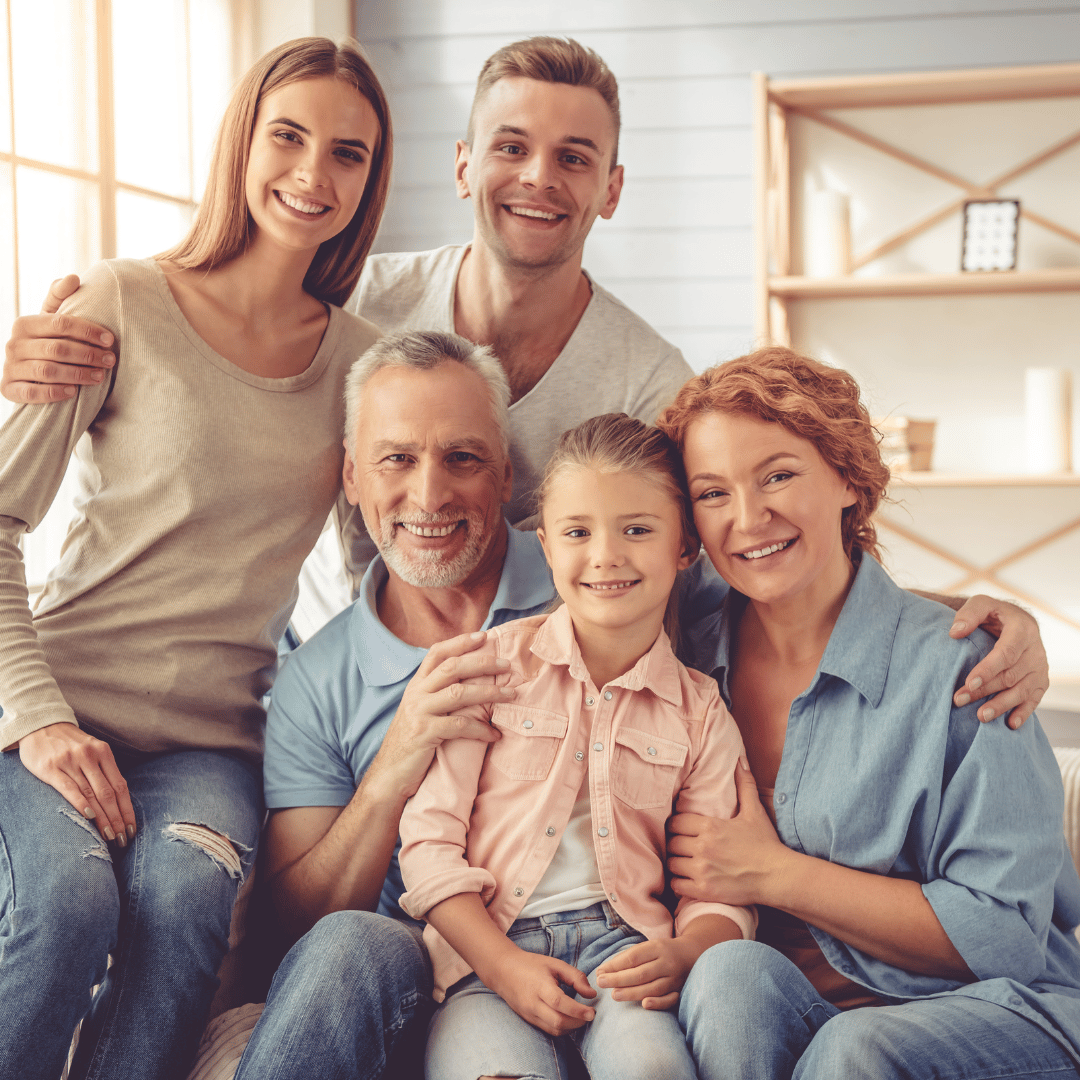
column 202, row 489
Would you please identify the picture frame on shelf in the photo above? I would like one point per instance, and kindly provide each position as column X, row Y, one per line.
column 991, row 231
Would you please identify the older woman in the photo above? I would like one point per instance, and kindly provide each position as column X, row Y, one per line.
column 902, row 855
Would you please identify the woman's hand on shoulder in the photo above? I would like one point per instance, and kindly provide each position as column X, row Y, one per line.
column 1016, row 671
column 49, row 356
column 84, row 771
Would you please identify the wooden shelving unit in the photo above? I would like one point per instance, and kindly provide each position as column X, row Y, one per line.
column 776, row 101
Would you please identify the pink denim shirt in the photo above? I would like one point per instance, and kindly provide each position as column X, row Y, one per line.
column 489, row 821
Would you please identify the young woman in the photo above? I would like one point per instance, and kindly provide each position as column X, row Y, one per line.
column 130, row 792
column 541, row 865
column 901, row 854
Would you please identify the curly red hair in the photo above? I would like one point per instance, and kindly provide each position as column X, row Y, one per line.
column 811, row 400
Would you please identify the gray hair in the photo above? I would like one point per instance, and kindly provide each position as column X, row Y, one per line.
column 423, row 350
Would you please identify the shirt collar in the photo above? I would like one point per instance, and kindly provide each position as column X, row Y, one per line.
column 657, row 670
column 384, row 659
column 861, row 643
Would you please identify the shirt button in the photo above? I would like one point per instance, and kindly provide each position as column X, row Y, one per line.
column 614, row 898
column 608, row 695
column 602, row 831
column 781, row 798
column 1017, row 1001
column 590, row 701
column 598, row 746
column 579, row 756
column 519, row 891
column 652, row 751
column 551, row 830
column 526, row 723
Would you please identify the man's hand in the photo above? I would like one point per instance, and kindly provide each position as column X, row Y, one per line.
column 530, row 985
column 49, row 356
column 425, row 717
column 84, row 771
column 1016, row 671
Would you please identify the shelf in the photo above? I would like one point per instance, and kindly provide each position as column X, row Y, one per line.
column 966, row 480
column 918, row 88
column 1061, row 279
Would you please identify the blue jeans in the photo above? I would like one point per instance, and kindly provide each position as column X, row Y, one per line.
column 749, row 1012
column 162, row 907
column 475, row 1033
column 350, row 1001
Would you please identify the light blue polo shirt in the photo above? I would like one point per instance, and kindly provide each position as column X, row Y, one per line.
column 882, row 773
column 336, row 695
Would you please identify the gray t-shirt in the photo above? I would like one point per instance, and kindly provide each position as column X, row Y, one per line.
column 613, row 362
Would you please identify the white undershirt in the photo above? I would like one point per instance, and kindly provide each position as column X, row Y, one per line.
column 572, row 880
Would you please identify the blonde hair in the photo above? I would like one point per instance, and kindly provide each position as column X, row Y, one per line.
column 615, row 443
column 818, row 403
column 223, row 227
column 553, row 60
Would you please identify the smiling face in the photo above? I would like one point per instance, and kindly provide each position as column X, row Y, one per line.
column 767, row 508
column 310, row 158
column 539, row 170
column 614, row 542
column 429, row 473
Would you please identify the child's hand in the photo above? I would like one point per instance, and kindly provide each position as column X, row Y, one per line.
column 652, row 972
column 529, row 984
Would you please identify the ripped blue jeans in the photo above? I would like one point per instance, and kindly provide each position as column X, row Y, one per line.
column 161, row 907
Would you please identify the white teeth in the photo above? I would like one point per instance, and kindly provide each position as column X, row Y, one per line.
column 601, row 587
column 299, row 204
column 524, row 211
column 761, row 553
column 428, row 530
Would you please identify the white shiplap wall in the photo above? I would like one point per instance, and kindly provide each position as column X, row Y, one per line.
column 678, row 249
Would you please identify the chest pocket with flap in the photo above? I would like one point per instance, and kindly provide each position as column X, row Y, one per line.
column 530, row 740
column 645, row 768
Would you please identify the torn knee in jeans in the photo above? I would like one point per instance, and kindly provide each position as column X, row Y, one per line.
column 99, row 849
column 220, row 849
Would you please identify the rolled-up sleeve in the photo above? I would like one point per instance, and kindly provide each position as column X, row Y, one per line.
column 998, row 850
column 434, row 827
column 710, row 790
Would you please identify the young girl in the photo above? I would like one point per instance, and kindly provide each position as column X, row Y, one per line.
column 541, row 865
column 209, row 460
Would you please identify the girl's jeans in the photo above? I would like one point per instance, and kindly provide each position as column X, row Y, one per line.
column 475, row 1033
column 162, row 907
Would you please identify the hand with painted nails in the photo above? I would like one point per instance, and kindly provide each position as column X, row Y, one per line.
column 1016, row 671
column 84, row 771
column 49, row 356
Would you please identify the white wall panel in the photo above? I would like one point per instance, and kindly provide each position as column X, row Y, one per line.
column 455, row 17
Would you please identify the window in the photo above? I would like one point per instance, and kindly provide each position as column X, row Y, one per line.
column 108, row 110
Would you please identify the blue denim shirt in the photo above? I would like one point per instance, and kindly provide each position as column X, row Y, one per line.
column 882, row 773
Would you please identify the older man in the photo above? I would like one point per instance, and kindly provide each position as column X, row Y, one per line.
column 347, row 743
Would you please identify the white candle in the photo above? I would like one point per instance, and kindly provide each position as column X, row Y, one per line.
column 1047, row 419
column 826, row 235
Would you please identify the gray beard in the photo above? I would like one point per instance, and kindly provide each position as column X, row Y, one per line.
column 432, row 569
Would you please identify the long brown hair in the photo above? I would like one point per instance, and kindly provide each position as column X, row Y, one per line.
column 223, row 227
column 811, row 400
